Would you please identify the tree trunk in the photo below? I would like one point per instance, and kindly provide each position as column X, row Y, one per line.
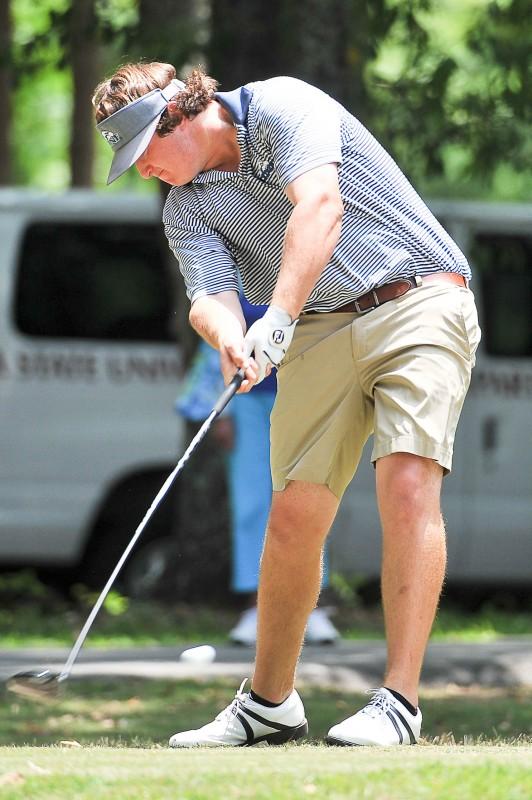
column 5, row 93
column 84, row 51
column 244, row 42
column 172, row 31
column 169, row 31
column 328, row 47
column 312, row 41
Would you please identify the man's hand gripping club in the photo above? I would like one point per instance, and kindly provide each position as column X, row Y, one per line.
column 269, row 338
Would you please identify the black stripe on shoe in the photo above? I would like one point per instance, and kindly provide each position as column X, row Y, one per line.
column 283, row 734
column 248, row 730
column 395, row 725
column 278, row 726
column 282, row 737
column 405, row 723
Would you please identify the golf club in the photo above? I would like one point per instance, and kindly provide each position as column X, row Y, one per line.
column 44, row 684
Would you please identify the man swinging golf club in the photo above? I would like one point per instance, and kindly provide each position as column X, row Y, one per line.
column 370, row 322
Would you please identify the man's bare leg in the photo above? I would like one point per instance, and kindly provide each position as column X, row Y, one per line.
column 413, row 565
column 290, row 580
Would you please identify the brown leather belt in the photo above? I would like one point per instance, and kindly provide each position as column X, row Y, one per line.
column 389, row 291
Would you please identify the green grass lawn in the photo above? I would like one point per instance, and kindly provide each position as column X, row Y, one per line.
column 287, row 773
column 476, row 744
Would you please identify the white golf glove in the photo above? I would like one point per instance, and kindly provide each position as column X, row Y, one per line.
column 269, row 338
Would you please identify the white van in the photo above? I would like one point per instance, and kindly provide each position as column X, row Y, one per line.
column 90, row 364
column 89, row 370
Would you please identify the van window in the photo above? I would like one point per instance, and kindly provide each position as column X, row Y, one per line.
column 94, row 281
column 504, row 265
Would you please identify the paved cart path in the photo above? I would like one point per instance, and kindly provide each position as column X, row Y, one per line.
column 355, row 666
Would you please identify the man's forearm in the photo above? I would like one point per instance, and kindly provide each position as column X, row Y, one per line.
column 217, row 317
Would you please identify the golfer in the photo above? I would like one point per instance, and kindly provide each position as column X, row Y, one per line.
column 373, row 329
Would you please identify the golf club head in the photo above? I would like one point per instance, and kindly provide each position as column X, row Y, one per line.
column 40, row 685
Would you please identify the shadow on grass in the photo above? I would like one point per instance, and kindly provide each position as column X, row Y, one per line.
column 138, row 712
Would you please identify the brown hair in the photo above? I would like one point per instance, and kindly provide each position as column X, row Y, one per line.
column 134, row 80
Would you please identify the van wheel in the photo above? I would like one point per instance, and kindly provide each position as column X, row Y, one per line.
column 149, row 572
column 184, row 553
column 154, row 557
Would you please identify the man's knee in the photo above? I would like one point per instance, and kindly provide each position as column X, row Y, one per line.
column 301, row 514
column 409, row 484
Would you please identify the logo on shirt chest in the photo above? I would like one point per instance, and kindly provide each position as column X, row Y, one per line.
column 265, row 170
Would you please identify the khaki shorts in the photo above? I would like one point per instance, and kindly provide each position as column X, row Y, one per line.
column 401, row 370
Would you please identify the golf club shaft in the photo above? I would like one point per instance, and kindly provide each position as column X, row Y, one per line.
column 220, row 404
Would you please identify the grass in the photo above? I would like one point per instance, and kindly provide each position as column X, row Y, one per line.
column 142, row 712
column 139, row 624
column 478, row 743
column 287, row 773
column 452, row 623
column 152, row 624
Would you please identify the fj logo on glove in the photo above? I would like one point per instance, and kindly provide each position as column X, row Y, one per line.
column 269, row 338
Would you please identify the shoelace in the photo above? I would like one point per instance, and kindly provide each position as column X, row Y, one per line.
column 231, row 710
column 379, row 703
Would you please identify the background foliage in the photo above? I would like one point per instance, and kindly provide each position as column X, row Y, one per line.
column 445, row 84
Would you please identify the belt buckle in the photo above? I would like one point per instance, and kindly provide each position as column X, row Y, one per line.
column 376, row 302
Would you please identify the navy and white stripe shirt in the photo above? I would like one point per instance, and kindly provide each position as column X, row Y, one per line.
column 227, row 223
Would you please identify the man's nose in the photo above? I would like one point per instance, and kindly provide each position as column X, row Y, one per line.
column 142, row 168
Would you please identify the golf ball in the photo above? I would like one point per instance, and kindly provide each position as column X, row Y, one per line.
column 199, row 655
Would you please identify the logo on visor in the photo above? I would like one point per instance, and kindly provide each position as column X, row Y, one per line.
column 110, row 136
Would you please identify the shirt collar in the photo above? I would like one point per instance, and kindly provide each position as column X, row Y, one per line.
column 237, row 103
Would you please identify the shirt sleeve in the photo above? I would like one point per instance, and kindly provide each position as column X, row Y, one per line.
column 300, row 124
column 204, row 260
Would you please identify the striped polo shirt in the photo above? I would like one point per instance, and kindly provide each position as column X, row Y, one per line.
column 223, row 224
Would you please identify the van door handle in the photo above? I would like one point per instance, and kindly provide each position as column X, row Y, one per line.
column 490, row 434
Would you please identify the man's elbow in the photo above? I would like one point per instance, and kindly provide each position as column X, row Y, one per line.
column 329, row 206
column 195, row 317
column 331, row 210
column 336, row 210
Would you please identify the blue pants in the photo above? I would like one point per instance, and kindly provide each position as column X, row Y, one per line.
column 250, row 486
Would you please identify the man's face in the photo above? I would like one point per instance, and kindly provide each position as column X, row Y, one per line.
column 176, row 158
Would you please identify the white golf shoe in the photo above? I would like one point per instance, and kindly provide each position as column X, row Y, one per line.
column 320, row 629
column 384, row 722
column 245, row 723
column 245, row 631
